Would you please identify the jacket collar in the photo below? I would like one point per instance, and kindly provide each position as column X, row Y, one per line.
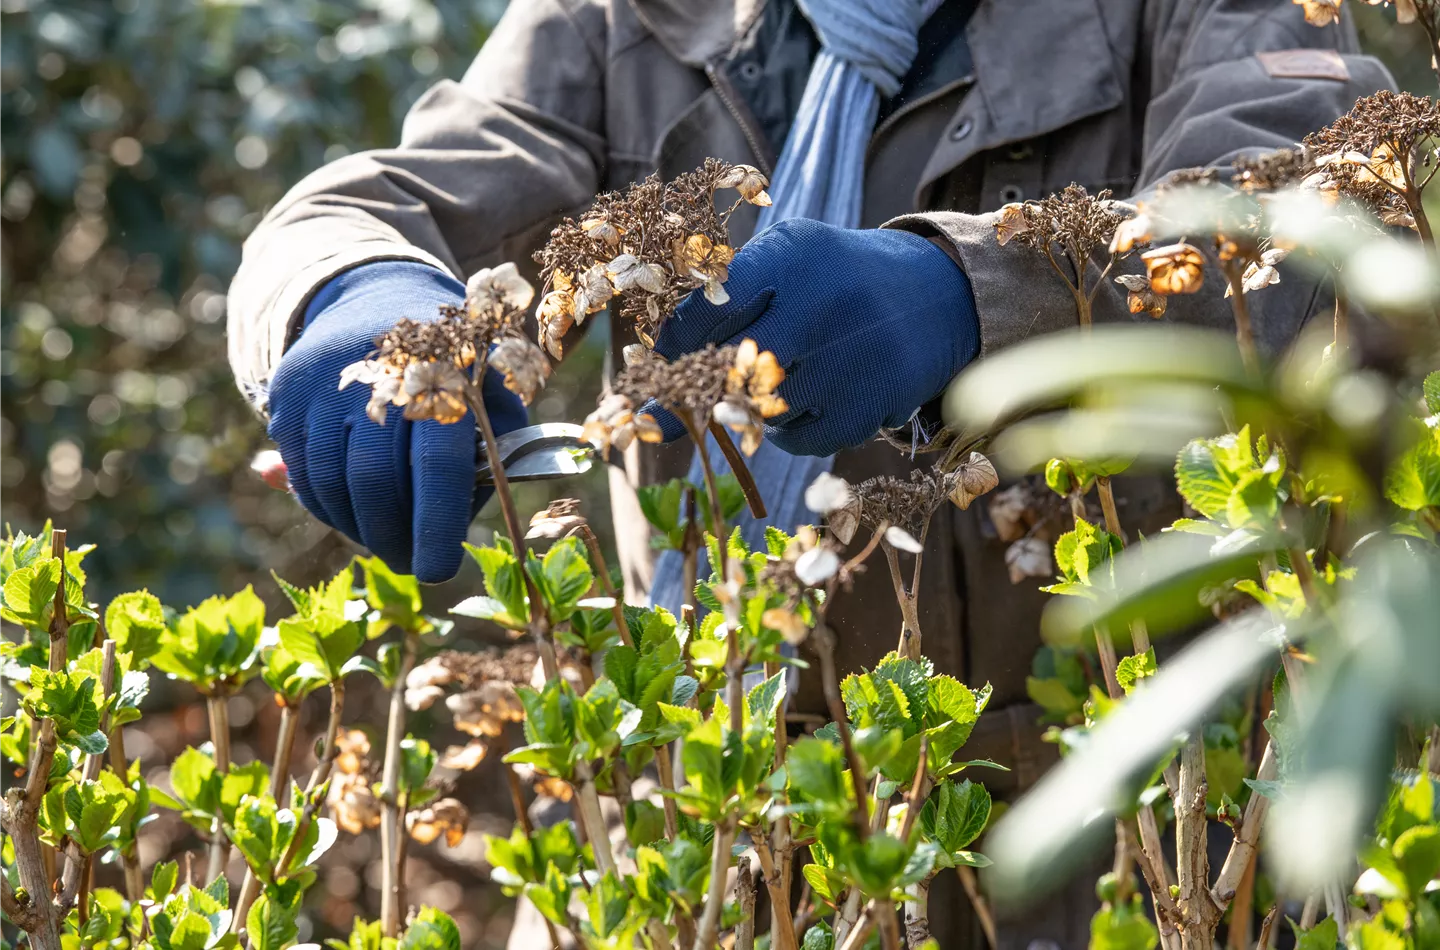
column 698, row 32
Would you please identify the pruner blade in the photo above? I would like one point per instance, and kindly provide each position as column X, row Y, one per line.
column 539, row 453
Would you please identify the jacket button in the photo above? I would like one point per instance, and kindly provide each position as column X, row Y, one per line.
column 750, row 71
column 1011, row 193
column 961, row 130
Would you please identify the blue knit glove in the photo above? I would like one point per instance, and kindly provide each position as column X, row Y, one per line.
column 868, row 325
column 405, row 490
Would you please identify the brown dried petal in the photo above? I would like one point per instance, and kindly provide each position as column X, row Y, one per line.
column 435, row 390
column 496, row 289
column 465, row 757
column 446, row 816
column 1011, row 222
column 788, row 622
column 977, row 476
column 523, row 364
column 593, row 293
column 1175, row 268
column 1130, row 232
column 1011, row 513
column 602, row 230
column 1028, row 557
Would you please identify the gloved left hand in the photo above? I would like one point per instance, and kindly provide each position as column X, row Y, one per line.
column 869, row 325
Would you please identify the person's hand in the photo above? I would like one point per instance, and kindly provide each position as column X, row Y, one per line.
column 868, row 325
column 405, row 490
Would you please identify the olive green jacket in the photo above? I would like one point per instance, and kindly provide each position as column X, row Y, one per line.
column 572, row 97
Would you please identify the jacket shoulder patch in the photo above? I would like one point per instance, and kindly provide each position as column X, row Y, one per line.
column 1304, row 64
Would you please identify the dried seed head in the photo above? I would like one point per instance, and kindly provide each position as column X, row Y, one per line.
column 788, row 622
column 746, row 179
column 354, row 747
column 496, row 291
column 463, row 758
column 353, row 806
column 1028, row 557
column 1367, row 152
column 1141, row 299
column 523, row 365
column 434, row 390
column 977, row 476
column 1012, row 512
column 649, row 239
column 558, row 519
column 445, row 816
column 905, row 503
column 1175, row 268
column 1072, row 222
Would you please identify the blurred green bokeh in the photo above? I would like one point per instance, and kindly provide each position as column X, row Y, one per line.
column 142, row 140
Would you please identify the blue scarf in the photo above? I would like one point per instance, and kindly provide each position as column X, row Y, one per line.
column 866, row 48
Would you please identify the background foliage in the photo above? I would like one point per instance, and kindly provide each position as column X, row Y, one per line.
column 142, row 141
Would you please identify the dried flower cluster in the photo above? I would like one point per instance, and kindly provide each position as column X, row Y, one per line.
column 352, row 802
column 649, row 245
column 734, row 385
column 486, row 699
column 1382, row 153
column 1072, row 220
column 1325, row 12
column 432, row 367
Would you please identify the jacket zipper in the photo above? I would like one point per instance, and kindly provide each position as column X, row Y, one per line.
column 753, row 136
column 909, row 107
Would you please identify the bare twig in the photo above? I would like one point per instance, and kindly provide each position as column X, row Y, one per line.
column 1242, row 851
column 218, row 706
column 738, row 467
column 390, row 826
column 709, row 929
column 745, row 893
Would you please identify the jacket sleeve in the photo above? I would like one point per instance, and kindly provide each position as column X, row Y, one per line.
column 1211, row 96
column 483, row 168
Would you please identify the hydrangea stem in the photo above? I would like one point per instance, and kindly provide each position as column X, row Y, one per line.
column 218, row 707
column 539, row 621
column 390, row 816
column 708, row 933
column 279, row 772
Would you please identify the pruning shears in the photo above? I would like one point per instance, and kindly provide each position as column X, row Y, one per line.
column 539, row 453
column 531, row 454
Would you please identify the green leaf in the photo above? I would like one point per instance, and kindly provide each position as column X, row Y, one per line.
column 1413, row 481
column 395, row 596
column 136, row 621
column 661, row 504
column 563, row 577
column 29, row 594
column 71, row 700
column 1132, row 669
column 269, row 925
column 162, row 880
column 417, row 760
column 644, row 822
column 955, row 815
column 505, row 585
column 1431, row 390
column 1323, row 936
column 1207, row 470
column 765, row 698
column 252, row 778
column 196, row 781
column 431, row 930
column 816, row 770
column 1124, row 928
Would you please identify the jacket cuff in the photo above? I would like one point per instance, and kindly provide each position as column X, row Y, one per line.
column 1016, row 293
column 255, row 346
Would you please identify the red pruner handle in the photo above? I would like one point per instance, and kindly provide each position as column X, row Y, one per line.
column 271, row 468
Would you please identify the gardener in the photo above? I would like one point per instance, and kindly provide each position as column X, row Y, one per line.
column 894, row 129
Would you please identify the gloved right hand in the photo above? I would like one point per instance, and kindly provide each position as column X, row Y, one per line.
column 405, row 490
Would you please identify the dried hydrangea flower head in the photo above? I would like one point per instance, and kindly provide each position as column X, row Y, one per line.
column 1070, row 226
column 649, row 245
column 905, row 503
column 445, row 816
column 486, row 699
column 1140, row 297
column 734, row 385
column 1382, row 153
column 1174, row 268
column 433, row 368
column 1325, row 12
